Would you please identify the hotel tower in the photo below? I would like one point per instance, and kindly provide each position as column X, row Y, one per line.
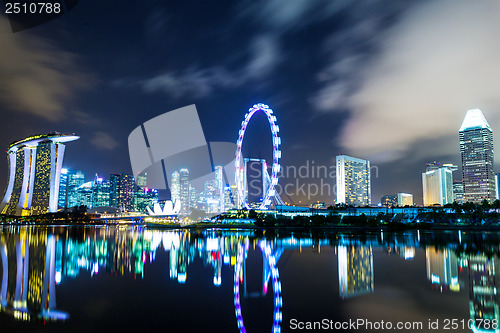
column 34, row 174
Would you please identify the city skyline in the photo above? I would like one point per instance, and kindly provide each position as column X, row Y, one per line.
column 67, row 189
column 332, row 96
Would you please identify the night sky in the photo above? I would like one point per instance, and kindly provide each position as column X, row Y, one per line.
column 388, row 81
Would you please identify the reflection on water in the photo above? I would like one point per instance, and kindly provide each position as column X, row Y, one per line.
column 36, row 260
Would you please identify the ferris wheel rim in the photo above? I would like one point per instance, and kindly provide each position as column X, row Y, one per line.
column 276, row 141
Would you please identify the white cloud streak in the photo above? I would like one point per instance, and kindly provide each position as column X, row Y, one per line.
column 438, row 62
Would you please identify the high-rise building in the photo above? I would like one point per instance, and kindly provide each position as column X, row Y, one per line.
column 175, row 188
column 121, row 191
column 63, row 184
column 235, row 198
column 476, row 148
column 35, row 165
column 114, row 189
column 84, row 195
column 193, row 197
column 219, row 186
column 184, row 190
column 353, row 181
column 458, row 192
column 497, row 185
column 405, row 199
column 76, row 178
column 228, row 202
column 144, row 197
column 437, row 182
column 126, row 193
column 100, row 192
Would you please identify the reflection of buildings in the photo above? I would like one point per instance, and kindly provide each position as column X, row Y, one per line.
column 355, row 270
column 34, row 173
column 442, row 268
column 483, row 282
column 29, row 276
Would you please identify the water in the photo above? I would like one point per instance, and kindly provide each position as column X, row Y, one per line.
column 136, row 279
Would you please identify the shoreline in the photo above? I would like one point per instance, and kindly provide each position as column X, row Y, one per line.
column 387, row 227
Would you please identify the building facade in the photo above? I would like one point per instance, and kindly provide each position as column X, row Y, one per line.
column 497, row 185
column 184, row 190
column 405, row 199
column 353, row 181
column 476, row 149
column 437, row 182
column 389, row 200
column 76, row 178
column 458, row 192
column 63, row 189
column 35, row 165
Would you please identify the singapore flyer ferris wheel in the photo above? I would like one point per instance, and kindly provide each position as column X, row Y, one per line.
column 270, row 192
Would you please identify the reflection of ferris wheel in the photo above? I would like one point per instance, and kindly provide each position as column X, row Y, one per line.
column 278, row 301
column 271, row 191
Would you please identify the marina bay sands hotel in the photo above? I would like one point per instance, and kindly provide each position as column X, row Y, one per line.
column 34, row 173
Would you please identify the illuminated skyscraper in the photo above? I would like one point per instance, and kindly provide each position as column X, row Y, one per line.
column 353, row 181
column 235, row 198
column 497, row 185
column 144, row 197
column 100, row 192
column 437, row 182
column 114, row 189
column 175, row 188
column 476, row 148
column 126, row 193
column 458, row 192
column 184, row 190
column 76, row 178
column 121, row 191
column 34, row 174
column 219, row 186
column 63, row 184
column 355, row 270
column 84, row 195
column 193, row 197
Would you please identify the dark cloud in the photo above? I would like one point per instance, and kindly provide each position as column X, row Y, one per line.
column 263, row 57
column 37, row 77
